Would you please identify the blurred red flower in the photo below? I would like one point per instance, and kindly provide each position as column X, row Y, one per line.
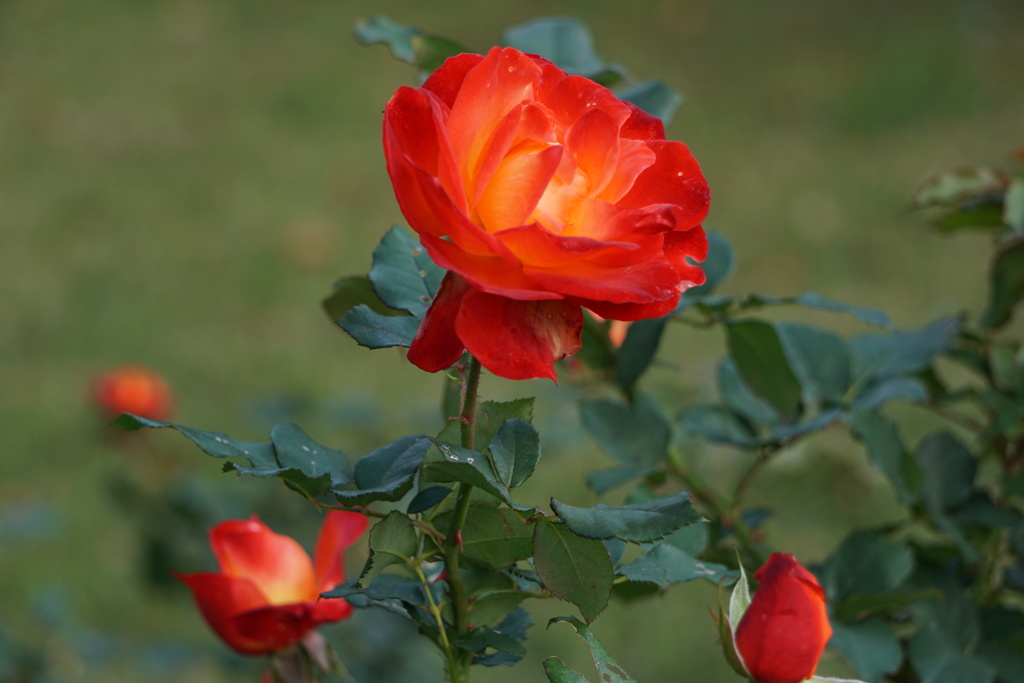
column 266, row 595
column 785, row 629
column 133, row 389
column 540, row 193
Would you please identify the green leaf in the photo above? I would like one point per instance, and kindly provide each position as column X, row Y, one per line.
column 407, row 44
column 573, row 568
column 397, row 594
column 869, row 646
column 885, row 449
column 351, row 291
column 602, row 481
column 866, row 563
column 376, row 331
column 426, row 499
column 403, row 276
column 666, row 563
column 386, row 474
column 939, row 659
column 491, row 415
column 868, row 316
column 877, row 393
column 608, row 670
column 482, row 638
column 952, row 188
column 293, row 457
column 393, row 540
column 639, row 523
column 566, row 42
column 819, row 359
column 761, row 361
column 901, row 353
column 638, row 350
column 558, row 672
column 1013, row 205
column 515, row 452
column 738, row 396
column 654, row 97
column 494, row 537
column 718, row 424
column 947, row 471
column 1006, row 284
column 636, row 435
column 467, row 467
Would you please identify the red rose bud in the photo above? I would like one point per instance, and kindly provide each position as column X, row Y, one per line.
column 783, row 632
column 266, row 595
column 540, row 193
column 133, row 389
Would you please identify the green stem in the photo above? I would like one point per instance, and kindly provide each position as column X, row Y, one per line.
column 449, row 652
column 453, row 541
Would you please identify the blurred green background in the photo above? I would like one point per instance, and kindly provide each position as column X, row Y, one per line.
column 181, row 181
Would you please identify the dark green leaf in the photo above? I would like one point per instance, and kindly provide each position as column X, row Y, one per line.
column 947, row 471
column 938, row 658
column 393, row 540
column 636, row 435
column 738, row 396
column 638, row 350
column 608, row 670
column 397, row 594
column 868, row 316
column 574, row 569
column 351, row 291
column 407, row 44
column 1006, row 284
column 757, row 351
column 376, row 331
column 869, row 646
column 467, row 467
column 426, row 499
column 602, row 481
column 901, row 353
column 717, row 424
column 951, row 188
column 566, row 42
column 877, row 393
column 885, row 449
column 491, row 415
column 387, row 473
column 665, row 563
column 494, row 537
column 866, row 563
column 655, row 98
column 432, row 51
column 819, row 359
column 515, row 452
column 403, row 276
column 558, row 672
column 639, row 523
column 482, row 638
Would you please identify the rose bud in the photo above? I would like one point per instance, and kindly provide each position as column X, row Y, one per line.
column 266, row 596
column 133, row 389
column 783, row 632
column 541, row 193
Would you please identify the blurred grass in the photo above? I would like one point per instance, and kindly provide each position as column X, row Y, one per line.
column 182, row 181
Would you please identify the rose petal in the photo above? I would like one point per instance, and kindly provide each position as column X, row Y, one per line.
column 446, row 81
column 436, row 346
column 784, row 631
column 339, row 531
column 516, row 187
column 519, row 339
column 487, row 273
column 275, row 627
column 219, row 598
column 674, row 179
column 652, row 280
column 275, row 563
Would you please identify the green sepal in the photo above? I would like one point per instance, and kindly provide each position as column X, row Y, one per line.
column 726, row 629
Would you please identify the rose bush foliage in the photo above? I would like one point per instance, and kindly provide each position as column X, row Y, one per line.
column 541, row 193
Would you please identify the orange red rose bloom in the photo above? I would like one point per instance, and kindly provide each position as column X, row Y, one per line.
column 266, row 595
column 133, row 389
column 785, row 629
column 541, row 193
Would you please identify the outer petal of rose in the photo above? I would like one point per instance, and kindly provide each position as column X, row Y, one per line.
column 681, row 245
column 338, row 532
column 535, row 246
column 674, row 178
column 436, row 346
column 326, row 610
column 652, row 280
column 276, row 627
column 446, row 81
column 488, row 273
column 519, row 339
column 642, row 126
column 275, row 563
column 219, row 599
column 631, row 311
column 784, row 631
column 489, row 91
